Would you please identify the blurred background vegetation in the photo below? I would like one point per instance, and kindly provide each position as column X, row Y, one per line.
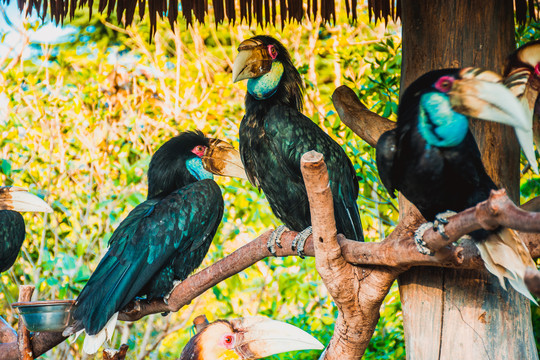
column 81, row 116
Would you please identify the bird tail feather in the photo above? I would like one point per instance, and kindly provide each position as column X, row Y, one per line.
column 506, row 256
column 92, row 343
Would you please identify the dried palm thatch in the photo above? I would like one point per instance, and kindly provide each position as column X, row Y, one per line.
column 262, row 12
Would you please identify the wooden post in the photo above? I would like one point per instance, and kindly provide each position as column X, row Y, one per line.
column 464, row 314
column 23, row 340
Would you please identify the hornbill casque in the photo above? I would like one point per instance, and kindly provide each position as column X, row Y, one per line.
column 522, row 77
column 274, row 134
column 12, row 230
column 247, row 338
column 163, row 239
column 432, row 158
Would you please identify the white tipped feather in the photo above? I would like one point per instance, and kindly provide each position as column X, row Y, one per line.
column 506, row 256
column 92, row 343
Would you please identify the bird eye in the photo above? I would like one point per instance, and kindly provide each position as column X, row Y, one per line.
column 272, row 51
column 228, row 339
column 444, row 84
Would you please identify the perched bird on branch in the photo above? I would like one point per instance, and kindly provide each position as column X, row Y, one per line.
column 274, row 134
column 431, row 157
column 164, row 238
column 246, row 339
column 522, row 77
column 12, row 231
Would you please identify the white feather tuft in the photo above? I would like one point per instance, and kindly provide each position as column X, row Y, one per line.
column 92, row 343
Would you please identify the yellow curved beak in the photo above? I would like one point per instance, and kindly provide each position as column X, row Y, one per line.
column 221, row 158
column 253, row 60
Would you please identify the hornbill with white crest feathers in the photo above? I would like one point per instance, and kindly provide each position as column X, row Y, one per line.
column 274, row 134
column 431, row 157
column 163, row 239
column 246, row 339
column 12, row 230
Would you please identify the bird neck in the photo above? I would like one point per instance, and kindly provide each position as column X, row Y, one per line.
column 266, row 85
column 288, row 90
column 438, row 123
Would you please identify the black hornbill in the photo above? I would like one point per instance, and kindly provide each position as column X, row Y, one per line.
column 247, row 338
column 522, row 77
column 431, row 157
column 274, row 134
column 12, row 231
column 164, row 238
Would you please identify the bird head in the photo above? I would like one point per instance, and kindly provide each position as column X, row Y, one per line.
column 247, row 338
column 267, row 65
column 18, row 199
column 191, row 157
column 442, row 99
column 522, row 76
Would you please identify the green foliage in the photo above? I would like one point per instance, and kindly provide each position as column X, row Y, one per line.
column 82, row 122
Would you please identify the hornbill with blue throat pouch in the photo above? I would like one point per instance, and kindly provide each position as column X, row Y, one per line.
column 431, row 157
column 274, row 134
column 163, row 239
column 14, row 200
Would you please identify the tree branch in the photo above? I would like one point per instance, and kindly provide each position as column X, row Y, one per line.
column 364, row 122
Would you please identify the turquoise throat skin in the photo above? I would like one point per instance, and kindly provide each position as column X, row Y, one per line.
column 196, row 168
column 266, row 85
column 438, row 124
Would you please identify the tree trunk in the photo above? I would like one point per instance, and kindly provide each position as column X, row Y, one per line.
column 464, row 314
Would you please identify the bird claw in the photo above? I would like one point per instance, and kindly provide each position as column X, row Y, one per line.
column 441, row 220
column 418, row 239
column 300, row 241
column 275, row 239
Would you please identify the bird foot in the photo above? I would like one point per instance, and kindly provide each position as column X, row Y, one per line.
column 133, row 307
column 418, row 239
column 300, row 240
column 275, row 239
column 441, row 220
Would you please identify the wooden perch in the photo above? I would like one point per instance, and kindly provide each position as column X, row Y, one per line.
column 113, row 354
column 357, row 291
column 7, row 333
column 364, row 122
column 23, row 338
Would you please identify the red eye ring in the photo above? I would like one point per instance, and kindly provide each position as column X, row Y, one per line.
column 228, row 339
column 444, row 84
column 272, row 51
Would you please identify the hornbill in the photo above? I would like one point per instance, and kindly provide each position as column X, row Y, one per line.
column 274, row 134
column 163, row 239
column 522, row 77
column 247, row 338
column 431, row 157
column 12, row 231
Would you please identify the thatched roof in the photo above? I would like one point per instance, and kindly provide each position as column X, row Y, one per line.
column 260, row 11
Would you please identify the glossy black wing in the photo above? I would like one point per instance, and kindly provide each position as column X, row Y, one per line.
column 146, row 242
column 12, row 235
column 291, row 135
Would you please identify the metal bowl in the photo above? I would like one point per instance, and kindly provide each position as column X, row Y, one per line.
column 52, row 315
